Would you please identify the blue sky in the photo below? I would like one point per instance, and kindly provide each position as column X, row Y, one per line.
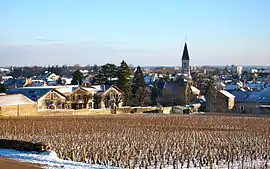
column 142, row 32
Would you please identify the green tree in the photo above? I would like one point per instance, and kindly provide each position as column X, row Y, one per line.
column 95, row 69
column 124, row 81
column 77, row 77
column 155, row 92
column 141, row 95
column 167, row 77
column 59, row 81
column 2, row 88
column 138, row 81
column 107, row 74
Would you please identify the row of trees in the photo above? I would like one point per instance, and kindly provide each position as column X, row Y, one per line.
column 120, row 76
column 63, row 71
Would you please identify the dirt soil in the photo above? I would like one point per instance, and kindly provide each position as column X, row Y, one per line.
column 12, row 164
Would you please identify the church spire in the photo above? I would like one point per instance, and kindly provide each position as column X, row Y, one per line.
column 185, row 61
column 185, row 55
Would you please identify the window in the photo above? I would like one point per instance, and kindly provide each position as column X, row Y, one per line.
column 90, row 106
column 52, row 96
column 73, row 97
column 184, row 65
column 242, row 108
column 79, row 97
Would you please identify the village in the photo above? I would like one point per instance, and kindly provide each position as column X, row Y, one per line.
column 182, row 89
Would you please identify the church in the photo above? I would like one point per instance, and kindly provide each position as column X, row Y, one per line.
column 185, row 61
column 179, row 91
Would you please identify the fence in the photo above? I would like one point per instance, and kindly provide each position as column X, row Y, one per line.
column 31, row 111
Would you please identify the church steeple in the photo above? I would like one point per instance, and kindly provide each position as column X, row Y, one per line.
column 185, row 61
column 185, row 55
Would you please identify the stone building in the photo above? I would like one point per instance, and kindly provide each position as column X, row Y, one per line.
column 179, row 92
column 16, row 104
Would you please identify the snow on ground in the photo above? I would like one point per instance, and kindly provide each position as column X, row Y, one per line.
column 236, row 165
column 48, row 159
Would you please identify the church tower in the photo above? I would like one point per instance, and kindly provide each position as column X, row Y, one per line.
column 185, row 61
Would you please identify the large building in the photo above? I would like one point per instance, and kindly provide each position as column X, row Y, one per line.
column 179, row 92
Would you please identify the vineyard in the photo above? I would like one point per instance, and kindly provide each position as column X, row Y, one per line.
column 150, row 141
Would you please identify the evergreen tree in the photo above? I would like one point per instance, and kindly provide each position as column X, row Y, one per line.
column 156, row 92
column 138, row 81
column 77, row 77
column 124, row 81
column 59, row 81
column 2, row 88
column 167, row 77
column 106, row 75
column 95, row 69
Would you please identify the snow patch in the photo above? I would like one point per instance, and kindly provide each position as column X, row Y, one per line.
column 48, row 159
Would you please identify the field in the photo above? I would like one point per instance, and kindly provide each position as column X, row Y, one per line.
column 150, row 141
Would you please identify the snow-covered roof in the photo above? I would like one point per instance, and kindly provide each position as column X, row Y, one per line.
column 90, row 89
column 231, row 87
column 67, row 89
column 227, row 94
column 194, row 89
column 252, row 96
column 52, row 87
column 14, row 99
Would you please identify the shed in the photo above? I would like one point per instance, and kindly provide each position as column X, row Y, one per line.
column 16, row 104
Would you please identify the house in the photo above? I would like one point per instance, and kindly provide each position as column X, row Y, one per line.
column 81, row 98
column 254, row 102
column 33, row 83
column 53, row 99
column 48, row 76
column 108, row 97
column 219, row 101
column 173, row 94
column 71, row 97
column 45, row 97
column 14, row 82
column 178, row 92
column 16, row 104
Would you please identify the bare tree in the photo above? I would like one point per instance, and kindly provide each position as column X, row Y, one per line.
column 141, row 95
column 188, row 93
column 86, row 99
column 118, row 98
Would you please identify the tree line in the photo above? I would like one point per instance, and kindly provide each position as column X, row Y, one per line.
column 133, row 86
